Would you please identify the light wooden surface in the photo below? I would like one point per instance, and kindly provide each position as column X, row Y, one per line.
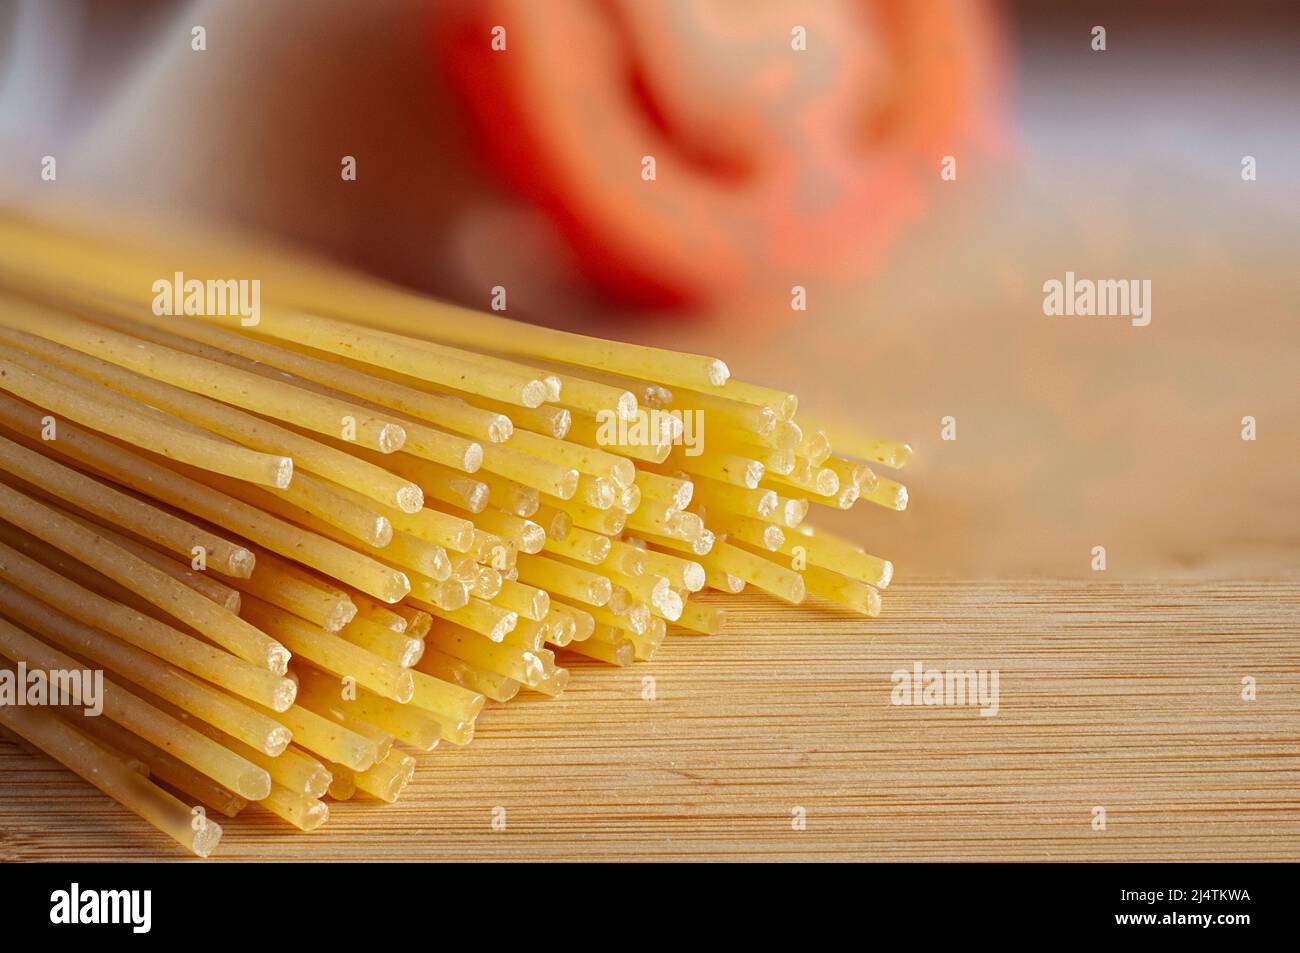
column 1125, row 696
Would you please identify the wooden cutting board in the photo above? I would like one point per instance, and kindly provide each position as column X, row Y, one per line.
column 778, row 740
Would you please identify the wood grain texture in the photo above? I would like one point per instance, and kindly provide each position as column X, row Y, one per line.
column 1121, row 695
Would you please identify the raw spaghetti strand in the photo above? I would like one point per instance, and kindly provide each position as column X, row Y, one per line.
column 412, row 512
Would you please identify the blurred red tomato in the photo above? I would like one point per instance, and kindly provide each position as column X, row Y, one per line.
column 692, row 152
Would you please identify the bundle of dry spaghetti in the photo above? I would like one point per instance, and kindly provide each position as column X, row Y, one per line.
column 307, row 540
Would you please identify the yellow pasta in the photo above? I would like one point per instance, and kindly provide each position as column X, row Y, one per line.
column 365, row 477
column 218, row 624
column 308, row 543
column 512, row 661
column 329, row 739
column 506, row 494
column 582, row 621
column 168, row 768
column 565, row 579
column 117, row 419
column 384, row 642
column 235, row 674
column 339, row 378
column 498, row 688
column 436, row 363
column 703, row 619
column 141, row 719
column 547, row 476
column 328, row 696
column 190, row 496
column 756, row 571
column 530, row 602
column 333, row 653
column 621, row 653
column 204, row 702
column 291, row 587
column 850, row 593
column 102, row 769
column 492, row 622
column 304, row 408
column 301, row 810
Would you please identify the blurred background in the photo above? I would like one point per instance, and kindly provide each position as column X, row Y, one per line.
column 793, row 144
